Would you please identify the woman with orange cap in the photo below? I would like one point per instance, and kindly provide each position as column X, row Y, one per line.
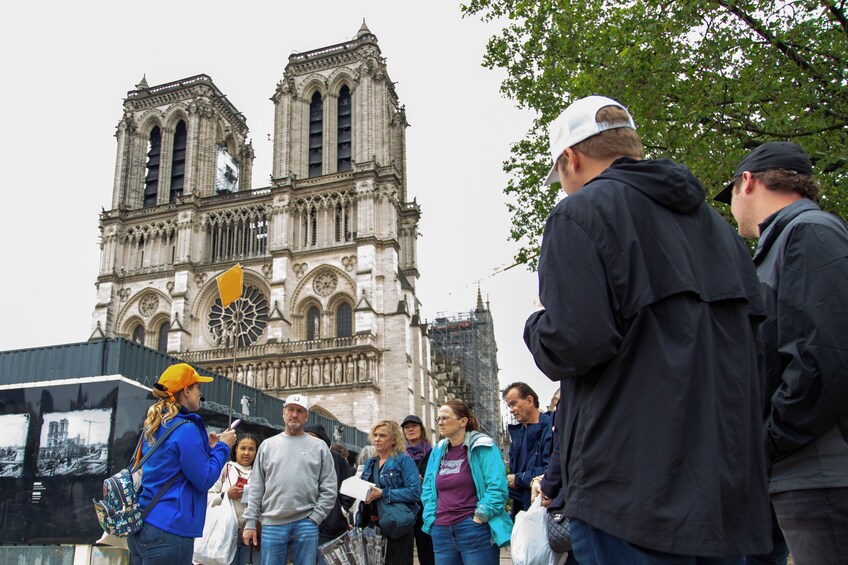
column 182, row 470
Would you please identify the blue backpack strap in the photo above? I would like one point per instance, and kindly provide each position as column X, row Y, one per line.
column 173, row 479
column 159, row 495
column 159, row 442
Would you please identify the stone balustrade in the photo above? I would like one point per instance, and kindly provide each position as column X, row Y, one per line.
column 298, row 365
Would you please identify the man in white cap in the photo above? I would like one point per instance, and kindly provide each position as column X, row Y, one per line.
column 802, row 261
column 650, row 323
column 291, row 490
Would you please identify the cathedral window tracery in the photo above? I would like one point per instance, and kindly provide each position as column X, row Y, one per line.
column 237, row 234
column 149, row 246
column 343, row 140
column 247, row 317
column 178, row 162
column 324, row 219
column 151, row 179
column 316, row 135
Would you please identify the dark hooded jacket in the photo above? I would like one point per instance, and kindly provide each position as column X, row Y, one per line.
column 652, row 310
column 335, row 524
column 530, row 460
column 802, row 262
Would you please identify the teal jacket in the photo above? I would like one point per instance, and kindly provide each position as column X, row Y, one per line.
column 489, row 474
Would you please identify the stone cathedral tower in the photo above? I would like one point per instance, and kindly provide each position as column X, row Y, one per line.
column 329, row 305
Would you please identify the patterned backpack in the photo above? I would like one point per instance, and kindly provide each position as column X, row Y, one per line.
column 119, row 513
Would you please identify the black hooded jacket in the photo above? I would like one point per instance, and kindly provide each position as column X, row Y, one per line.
column 335, row 524
column 651, row 317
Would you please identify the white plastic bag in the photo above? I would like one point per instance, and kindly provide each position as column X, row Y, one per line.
column 218, row 544
column 529, row 540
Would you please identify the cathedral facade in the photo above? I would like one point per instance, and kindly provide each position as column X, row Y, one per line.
column 329, row 305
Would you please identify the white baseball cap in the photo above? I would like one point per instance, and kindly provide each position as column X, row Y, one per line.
column 578, row 123
column 298, row 399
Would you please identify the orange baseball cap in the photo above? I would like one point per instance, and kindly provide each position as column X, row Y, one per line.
column 179, row 376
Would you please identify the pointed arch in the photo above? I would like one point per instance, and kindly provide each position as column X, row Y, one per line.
column 131, row 312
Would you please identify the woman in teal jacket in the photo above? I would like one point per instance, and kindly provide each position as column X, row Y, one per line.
column 465, row 492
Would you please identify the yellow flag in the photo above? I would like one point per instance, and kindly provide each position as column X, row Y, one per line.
column 229, row 285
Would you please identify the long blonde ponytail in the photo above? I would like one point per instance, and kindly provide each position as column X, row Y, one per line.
column 165, row 409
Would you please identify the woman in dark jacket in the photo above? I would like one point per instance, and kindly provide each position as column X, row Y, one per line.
column 419, row 449
column 190, row 455
column 396, row 481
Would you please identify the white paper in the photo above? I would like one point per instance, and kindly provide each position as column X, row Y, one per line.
column 356, row 488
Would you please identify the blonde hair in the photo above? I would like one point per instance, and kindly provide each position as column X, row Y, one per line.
column 395, row 433
column 165, row 409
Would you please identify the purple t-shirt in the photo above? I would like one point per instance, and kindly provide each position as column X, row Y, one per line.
column 457, row 496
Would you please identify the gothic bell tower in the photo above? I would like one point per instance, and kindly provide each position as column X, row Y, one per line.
column 329, row 305
column 179, row 144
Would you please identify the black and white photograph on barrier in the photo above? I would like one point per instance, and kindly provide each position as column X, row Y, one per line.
column 13, row 444
column 74, row 443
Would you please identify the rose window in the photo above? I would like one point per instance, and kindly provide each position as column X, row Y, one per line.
column 247, row 317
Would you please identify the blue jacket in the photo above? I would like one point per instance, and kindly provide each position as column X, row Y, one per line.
column 537, row 457
column 182, row 510
column 399, row 478
column 399, row 481
column 489, row 475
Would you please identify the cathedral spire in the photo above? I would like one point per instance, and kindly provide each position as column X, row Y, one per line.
column 363, row 30
column 479, row 299
column 142, row 84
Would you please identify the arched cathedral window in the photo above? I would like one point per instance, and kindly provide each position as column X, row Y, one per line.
column 151, row 179
column 178, row 162
column 316, row 135
column 344, row 320
column 344, row 132
column 313, row 323
column 162, row 342
column 138, row 334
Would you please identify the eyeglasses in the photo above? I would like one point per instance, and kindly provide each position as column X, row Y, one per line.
column 441, row 419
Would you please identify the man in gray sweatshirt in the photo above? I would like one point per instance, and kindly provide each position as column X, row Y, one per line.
column 291, row 490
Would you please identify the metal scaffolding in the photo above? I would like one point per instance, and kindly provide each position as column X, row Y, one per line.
column 465, row 361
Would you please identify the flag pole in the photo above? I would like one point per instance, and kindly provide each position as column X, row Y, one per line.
column 233, row 379
column 230, row 286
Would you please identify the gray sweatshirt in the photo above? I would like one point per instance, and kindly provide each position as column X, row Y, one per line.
column 293, row 478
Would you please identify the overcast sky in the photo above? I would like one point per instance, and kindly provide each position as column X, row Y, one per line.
column 68, row 66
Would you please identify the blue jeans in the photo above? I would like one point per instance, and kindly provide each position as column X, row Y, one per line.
column 815, row 524
column 591, row 545
column 302, row 536
column 152, row 546
column 464, row 543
